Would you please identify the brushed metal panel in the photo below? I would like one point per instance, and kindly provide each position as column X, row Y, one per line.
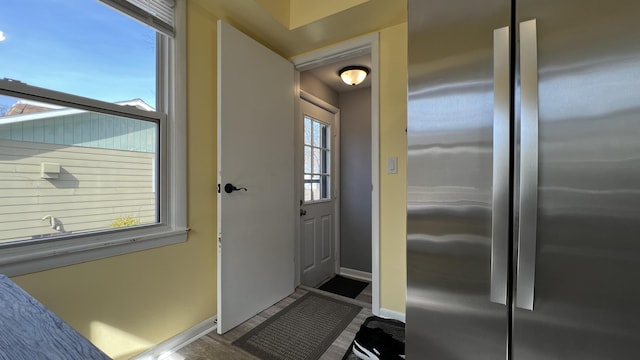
column 449, row 178
column 588, row 245
column 500, row 211
column 528, row 165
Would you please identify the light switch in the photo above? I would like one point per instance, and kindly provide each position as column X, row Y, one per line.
column 392, row 165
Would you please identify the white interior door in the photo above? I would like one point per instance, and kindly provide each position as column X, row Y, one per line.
column 256, row 152
column 318, row 223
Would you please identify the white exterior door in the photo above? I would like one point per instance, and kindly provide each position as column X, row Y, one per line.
column 319, row 185
column 255, row 152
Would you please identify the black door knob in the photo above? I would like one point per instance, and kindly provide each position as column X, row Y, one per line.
column 229, row 188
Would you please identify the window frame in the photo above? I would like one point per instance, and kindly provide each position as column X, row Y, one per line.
column 22, row 257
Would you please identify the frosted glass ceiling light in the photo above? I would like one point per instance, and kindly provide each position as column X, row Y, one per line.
column 353, row 75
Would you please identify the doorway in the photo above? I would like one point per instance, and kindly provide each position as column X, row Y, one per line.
column 315, row 63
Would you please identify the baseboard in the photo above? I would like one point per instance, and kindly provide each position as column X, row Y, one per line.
column 166, row 348
column 356, row 274
column 390, row 314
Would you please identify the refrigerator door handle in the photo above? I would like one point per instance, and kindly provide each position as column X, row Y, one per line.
column 526, row 271
column 501, row 138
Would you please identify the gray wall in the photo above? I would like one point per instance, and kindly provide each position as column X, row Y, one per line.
column 355, row 180
column 313, row 85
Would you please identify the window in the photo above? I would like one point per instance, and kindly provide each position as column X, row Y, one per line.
column 78, row 47
column 91, row 130
column 317, row 157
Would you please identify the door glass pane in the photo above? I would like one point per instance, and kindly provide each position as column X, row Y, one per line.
column 307, row 159
column 326, row 159
column 308, row 195
column 316, row 134
column 325, row 187
column 307, row 131
column 315, row 187
column 312, row 187
column 325, row 137
column 317, row 160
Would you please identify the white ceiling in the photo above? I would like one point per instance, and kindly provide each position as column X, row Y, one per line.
column 328, row 74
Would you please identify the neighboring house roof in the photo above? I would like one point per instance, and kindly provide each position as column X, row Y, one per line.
column 22, row 108
column 27, row 110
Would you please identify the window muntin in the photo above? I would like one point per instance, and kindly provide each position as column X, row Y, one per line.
column 78, row 47
column 317, row 160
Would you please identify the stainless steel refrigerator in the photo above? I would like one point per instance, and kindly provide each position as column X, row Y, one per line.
column 523, row 219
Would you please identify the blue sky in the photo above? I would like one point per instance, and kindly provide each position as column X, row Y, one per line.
column 80, row 47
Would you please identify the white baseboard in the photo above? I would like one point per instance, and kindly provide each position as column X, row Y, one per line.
column 356, row 274
column 165, row 349
column 390, row 314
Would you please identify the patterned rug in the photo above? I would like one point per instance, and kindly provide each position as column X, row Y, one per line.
column 301, row 331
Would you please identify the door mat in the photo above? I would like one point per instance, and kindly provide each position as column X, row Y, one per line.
column 303, row 330
column 344, row 286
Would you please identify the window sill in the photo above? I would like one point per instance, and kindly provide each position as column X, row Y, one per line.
column 28, row 258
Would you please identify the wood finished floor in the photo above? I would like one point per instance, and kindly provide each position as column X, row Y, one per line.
column 218, row 347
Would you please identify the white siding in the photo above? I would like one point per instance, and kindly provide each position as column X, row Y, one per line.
column 95, row 186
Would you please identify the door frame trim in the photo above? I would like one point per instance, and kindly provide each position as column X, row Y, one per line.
column 368, row 44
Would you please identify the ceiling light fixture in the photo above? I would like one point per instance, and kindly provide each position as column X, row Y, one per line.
column 353, row 75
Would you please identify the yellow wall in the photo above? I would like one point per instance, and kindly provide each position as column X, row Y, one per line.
column 279, row 9
column 129, row 303
column 393, row 142
column 303, row 12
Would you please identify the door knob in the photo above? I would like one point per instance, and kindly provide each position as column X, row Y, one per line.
column 303, row 212
column 229, row 188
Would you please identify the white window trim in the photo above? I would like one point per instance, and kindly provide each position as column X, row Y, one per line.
column 26, row 257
